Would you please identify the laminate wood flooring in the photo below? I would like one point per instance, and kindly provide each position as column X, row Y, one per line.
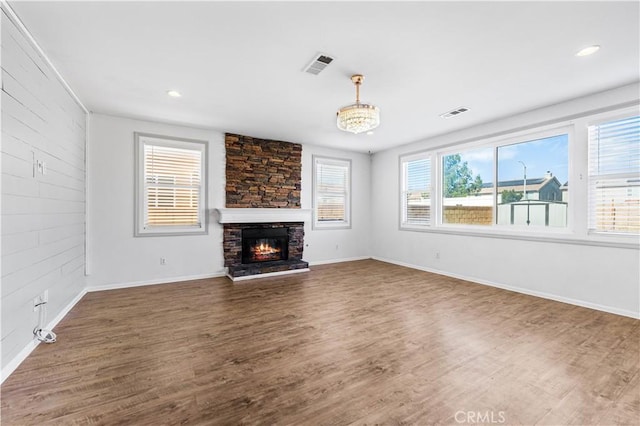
column 354, row 343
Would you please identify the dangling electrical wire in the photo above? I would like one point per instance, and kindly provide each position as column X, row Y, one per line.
column 46, row 336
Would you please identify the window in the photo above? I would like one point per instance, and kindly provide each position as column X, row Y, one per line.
column 467, row 188
column 170, row 186
column 416, row 191
column 332, row 187
column 573, row 180
column 614, row 176
column 533, row 182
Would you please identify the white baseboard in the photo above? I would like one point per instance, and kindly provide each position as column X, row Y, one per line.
column 544, row 295
column 26, row 351
column 170, row 280
column 267, row 275
column 348, row 259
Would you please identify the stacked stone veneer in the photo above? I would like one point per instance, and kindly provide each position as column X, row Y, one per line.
column 262, row 173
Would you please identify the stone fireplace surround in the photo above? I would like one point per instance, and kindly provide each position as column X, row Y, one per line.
column 263, row 183
column 233, row 250
column 235, row 220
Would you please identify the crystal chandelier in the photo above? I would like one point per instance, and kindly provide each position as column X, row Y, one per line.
column 357, row 118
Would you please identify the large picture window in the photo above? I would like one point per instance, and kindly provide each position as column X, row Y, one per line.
column 331, row 192
column 614, row 176
column 170, row 186
column 416, row 191
column 531, row 189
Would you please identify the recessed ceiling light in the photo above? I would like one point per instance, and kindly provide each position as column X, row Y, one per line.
column 369, row 132
column 588, row 50
column 173, row 93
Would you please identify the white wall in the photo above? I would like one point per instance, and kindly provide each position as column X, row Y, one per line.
column 115, row 256
column 43, row 214
column 326, row 245
column 575, row 270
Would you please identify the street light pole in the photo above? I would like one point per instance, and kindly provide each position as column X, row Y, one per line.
column 524, row 189
column 525, row 179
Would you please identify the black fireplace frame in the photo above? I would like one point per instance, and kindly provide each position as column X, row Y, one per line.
column 250, row 236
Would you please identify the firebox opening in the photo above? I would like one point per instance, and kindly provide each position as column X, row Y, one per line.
column 265, row 245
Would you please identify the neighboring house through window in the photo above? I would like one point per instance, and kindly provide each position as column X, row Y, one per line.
column 171, row 182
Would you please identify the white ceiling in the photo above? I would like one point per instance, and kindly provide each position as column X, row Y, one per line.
column 239, row 64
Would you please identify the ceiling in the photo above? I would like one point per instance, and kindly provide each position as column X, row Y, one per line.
column 239, row 65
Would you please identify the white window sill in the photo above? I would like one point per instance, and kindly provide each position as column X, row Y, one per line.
column 331, row 225
column 171, row 231
column 541, row 235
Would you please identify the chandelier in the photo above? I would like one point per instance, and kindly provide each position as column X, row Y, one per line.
column 357, row 118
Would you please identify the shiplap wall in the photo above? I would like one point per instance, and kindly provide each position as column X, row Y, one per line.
column 43, row 215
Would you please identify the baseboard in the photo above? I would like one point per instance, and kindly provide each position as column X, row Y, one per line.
column 348, row 259
column 549, row 296
column 116, row 286
column 26, row 351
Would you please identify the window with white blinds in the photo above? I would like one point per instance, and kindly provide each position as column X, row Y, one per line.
column 170, row 186
column 416, row 191
column 614, row 176
column 332, row 192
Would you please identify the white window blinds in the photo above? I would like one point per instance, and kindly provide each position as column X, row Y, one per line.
column 332, row 191
column 172, row 186
column 614, row 176
column 416, row 191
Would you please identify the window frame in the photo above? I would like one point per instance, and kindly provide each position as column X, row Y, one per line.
column 140, row 230
column 437, row 155
column 346, row 222
column 406, row 158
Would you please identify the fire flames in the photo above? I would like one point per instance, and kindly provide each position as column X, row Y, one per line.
column 265, row 251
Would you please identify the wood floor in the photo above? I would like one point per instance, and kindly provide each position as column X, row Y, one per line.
column 354, row 343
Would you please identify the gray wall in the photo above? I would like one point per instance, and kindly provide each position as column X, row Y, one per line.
column 43, row 214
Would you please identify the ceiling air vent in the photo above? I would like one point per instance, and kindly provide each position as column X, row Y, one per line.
column 454, row 112
column 319, row 62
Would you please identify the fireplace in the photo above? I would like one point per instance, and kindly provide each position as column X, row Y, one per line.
column 252, row 248
column 265, row 245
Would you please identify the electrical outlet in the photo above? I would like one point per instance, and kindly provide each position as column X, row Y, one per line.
column 163, row 261
column 42, row 298
column 438, row 255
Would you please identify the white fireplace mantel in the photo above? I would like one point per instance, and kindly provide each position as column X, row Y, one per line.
column 263, row 215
